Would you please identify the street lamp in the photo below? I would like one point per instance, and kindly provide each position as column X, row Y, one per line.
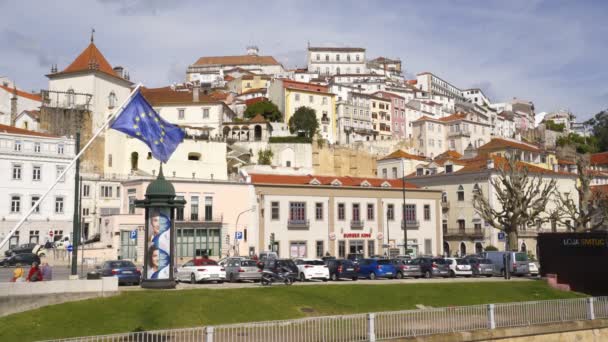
column 236, row 250
column 403, row 209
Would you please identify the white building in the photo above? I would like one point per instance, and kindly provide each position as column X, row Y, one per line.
column 476, row 96
column 433, row 84
column 388, row 67
column 336, row 60
column 354, row 118
column 30, row 163
column 563, row 117
column 14, row 101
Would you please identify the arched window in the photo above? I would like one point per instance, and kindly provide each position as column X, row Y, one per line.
column 446, row 249
column 134, row 160
column 194, row 156
column 112, row 100
column 71, row 97
column 338, row 70
column 444, row 197
column 460, row 193
column 523, row 248
column 327, row 58
column 338, row 58
column 476, row 189
column 478, row 248
column 463, row 249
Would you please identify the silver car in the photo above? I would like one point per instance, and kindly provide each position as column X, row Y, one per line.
column 238, row 269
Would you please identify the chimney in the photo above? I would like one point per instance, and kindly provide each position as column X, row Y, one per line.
column 195, row 93
column 118, row 71
column 14, row 106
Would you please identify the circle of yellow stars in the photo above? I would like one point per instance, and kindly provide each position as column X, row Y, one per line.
column 157, row 120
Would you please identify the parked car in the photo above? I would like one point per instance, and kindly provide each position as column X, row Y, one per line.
column 355, row 257
column 519, row 264
column 201, row 269
column 24, row 259
column 309, row 269
column 325, row 258
column 376, row 268
column 459, row 267
column 342, row 269
column 223, row 261
column 481, row 266
column 25, row 248
column 432, row 267
column 267, row 255
column 533, row 269
column 126, row 271
column 405, row 268
column 239, row 268
column 277, row 266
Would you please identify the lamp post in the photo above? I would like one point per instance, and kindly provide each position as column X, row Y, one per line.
column 403, row 209
column 236, row 228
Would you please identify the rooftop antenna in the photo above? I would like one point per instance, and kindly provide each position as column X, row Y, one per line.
column 92, row 35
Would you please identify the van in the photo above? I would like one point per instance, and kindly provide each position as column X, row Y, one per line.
column 518, row 262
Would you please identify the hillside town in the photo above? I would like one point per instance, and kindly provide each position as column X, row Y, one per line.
column 258, row 174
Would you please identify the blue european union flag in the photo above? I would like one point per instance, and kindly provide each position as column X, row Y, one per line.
column 139, row 120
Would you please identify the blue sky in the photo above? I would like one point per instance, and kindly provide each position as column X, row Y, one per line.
column 551, row 52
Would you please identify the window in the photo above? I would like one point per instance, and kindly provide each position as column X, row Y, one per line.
column 181, row 113
column 319, row 211
column 461, row 224
column 179, row 212
column 16, row 171
column 394, row 172
column 428, row 246
column 109, row 160
column 318, row 57
column 208, row 208
column 449, row 168
column 341, row 249
column 58, row 205
column 60, row 149
column 324, row 101
column 358, row 70
column 37, row 147
column 476, row 189
column 15, row 204
column 427, row 212
column 319, row 249
column 131, row 205
column 357, row 57
column 356, row 212
column 419, row 171
column 58, row 173
column 205, row 113
column 460, row 193
column 194, row 208
column 14, row 240
column 86, row 190
column 106, row 191
column 36, row 173
column 410, row 213
column 452, row 144
column 112, row 100
column 34, row 200
column 390, row 212
column 370, row 211
column 297, row 249
column 85, row 211
column 371, row 250
column 341, row 211
column 327, row 58
column 297, row 211
column 17, row 146
column 384, row 173
column 311, row 99
column 34, row 236
column 274, row 214
column 297, row 97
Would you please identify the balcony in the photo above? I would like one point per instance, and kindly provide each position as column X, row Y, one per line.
column 463, row 233
column 411, row 224
column 357, row 224
column 459, row 134
column 445, row 205
column 298, row 224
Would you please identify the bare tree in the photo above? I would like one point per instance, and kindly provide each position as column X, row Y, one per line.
column 521, row 198
column 588, row 213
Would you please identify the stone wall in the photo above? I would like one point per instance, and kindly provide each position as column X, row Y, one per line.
column 343, row 161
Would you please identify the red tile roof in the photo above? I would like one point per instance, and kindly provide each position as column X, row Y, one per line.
column 254, row 90
column 599, row 158
column 21, row 131
column 89, row 59
column 237, row 60
column 565, row 162
column 398, row 154
column 166, row 95
column 480, row 163
column 21, row 93
column 387, row 94
column 412, row 81
column 501, row 144
column 454, row 117
column 326, row 180
column 305, row 86
column 450, row 154
column 600, row 190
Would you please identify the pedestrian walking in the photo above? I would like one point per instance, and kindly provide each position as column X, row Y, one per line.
column 18, row 274
column 47, row 271
column 34, row 273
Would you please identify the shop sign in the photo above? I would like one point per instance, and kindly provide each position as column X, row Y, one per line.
column 357, row 235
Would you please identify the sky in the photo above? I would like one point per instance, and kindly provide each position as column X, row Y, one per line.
column 553, row 52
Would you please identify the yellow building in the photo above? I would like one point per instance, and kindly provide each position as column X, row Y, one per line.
column 245, row 83
column 527, row 153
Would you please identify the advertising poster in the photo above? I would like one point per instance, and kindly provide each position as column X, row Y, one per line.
column 159, row 246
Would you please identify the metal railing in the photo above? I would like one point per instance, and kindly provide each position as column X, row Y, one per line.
column 298, row 224
column 383, row 325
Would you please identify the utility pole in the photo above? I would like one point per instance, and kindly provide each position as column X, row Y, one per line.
column 403, row 209
column 76, row 219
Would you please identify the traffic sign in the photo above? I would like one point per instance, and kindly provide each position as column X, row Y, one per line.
column 133, row 234
column 238, row 236
column 501, row 236
column 69, row 248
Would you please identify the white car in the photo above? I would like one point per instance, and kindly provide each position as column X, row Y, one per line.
column 309, row 269
column 197, row 270
column 533, row 269
column 459, row 267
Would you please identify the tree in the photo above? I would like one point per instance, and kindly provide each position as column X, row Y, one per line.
column 269, row 111
column 521, row 199
column 581, row 215
column 582, row 144
column 304, row 120
column 265, row 157
column 599, row 124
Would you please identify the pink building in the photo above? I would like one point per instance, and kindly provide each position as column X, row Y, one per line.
column 397, row 113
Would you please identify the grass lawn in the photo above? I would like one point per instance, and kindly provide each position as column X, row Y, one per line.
column 148, row 310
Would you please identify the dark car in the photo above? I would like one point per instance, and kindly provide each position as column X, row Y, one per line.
column 376, row 268
column 21, row 249
column 432, row 267
column 277, row 265
column 124, row 270
column 355, row 257
column 342, row 269
column 24, row 259
column 405, row 268
column 481, row 266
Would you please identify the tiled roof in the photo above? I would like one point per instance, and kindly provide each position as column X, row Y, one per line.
column 251, row 77
column 166, row 95
column 384, row 60
column 228, row 78
column 599, row 158
column 412, row 81
column 237, row 60
column 327, row 180
column 305, row 86
column 449, row 154
column 255, row 100
column 387, row 94
column 90, row 59
column 601, row 190
column 399, row 154
column 501, row 144
column 480, row 163
column 21, row 93
column 426, row 118
column 254, row 90
column 336, row 49
column 454, row 117
column 565, row 162
column 20, row 131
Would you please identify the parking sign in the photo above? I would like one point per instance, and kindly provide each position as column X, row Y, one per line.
column 133, row 234
column 501, row 236
column 238, row 236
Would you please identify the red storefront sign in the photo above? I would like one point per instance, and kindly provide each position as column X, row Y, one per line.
column 357, row 235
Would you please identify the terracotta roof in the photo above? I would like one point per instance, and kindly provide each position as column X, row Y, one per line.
column 251, row 77
column 565, row 162
column 237, row 60
column 90, row 59
column 305, row 86
column 389, row 95
column 599, row 158
column 480, row 163
column 449, row 154
column 426, row 118
column 254, row 90
column 326, row 180
column 255, row 100
column 228, row 78
column 601, row 190
column 24, row 94
column 166, row 95
column 501, row 144
column 258, row 118
column 399, row 154
column 337, row 49
column 21, row 131
column 217, row 95
column 454, row 117
column 412, row 81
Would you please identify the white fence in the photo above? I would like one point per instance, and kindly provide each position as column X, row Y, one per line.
column 381, row 326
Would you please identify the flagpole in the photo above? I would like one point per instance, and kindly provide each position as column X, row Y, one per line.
column 70, row 165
